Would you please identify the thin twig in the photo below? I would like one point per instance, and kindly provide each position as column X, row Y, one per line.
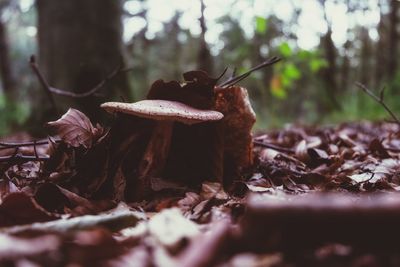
column 222, row 74
column 6, row 145
column 18, row 158
column 233, row 72
column 272, row 146
column 115, row 72
column 379, row 100
column 236, row 79
column 43, row 82
column 35, row 150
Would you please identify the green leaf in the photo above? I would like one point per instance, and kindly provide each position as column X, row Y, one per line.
column 285, row 50
column 304, row 54
column 317, row 64
column 261, row 25
column 291, row 72
column 286, row 82
column 280, row 93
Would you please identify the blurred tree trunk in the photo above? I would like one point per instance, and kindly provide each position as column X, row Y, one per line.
column 266, row 73
column 329, row 73
column 366, row 55
column 7, row 75
column 393, row 39
column 173, row 29
column 80, row 43
column 138, row 48
column 205, row 61
column 381, row 58
column 345, row 68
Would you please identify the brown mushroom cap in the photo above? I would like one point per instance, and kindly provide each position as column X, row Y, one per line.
column 164, row 110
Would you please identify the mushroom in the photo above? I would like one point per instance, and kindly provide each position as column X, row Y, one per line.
column 164, row 113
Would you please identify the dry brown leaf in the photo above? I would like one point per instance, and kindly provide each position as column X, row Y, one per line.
column 75, row 129
column 19, row 208
column 213, row 190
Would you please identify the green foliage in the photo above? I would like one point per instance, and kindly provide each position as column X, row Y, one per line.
column 357, row 106
column 261, row 25
column 291, row 72
column 317, row 63
column 286, row 74
column 12, row 114
column 285, row 50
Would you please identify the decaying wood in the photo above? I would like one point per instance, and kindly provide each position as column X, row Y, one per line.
column 366, row 221
column 204, row 251
column 236, row 126
column 113, row 222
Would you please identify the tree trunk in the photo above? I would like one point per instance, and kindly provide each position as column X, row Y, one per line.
column 205, row 61
column 329, row 73
column 381, row 45
column 6, row 72
column 79, row 45
column 366, row 55
column 345, row 67
column 393, row 39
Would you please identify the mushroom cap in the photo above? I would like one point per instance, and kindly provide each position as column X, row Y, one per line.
column 164, row 110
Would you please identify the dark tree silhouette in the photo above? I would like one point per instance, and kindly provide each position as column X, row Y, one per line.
column 79, row 45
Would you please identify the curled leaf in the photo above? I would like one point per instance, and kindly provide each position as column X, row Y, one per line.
column 75, row 129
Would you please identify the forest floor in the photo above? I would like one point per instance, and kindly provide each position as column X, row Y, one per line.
column 315, row 197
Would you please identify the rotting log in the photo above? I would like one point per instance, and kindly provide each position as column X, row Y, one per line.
column 308, row 221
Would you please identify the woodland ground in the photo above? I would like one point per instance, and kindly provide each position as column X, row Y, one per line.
column 182, row 226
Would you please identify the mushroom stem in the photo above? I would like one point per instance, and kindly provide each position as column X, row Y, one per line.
column 155, row 156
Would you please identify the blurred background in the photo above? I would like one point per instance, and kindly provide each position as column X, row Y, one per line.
column 326, row 46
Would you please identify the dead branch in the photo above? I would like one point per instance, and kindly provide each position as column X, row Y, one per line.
column 379, row 100
column 272, row 146
column 236, row 79
column 119, row 69
column 113, row 222
column 7, row 145
column 204, row 252
column 43, row 82
column 367, row 221
column 18, row 158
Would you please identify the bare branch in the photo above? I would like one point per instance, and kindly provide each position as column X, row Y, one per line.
column 379, row 100
column 43, row 82
column 18, row 158
column 6, row 145
column 272, row 146
column 119, row 69
column 237, row 79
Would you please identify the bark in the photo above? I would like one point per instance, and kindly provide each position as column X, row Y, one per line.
column 393, row 39
column 381, row 58
column 7, row 76
column 329, row 73
column 307, row 222
column 79, row 44
column 366, row 55
column 205, row 61
column 345, row 68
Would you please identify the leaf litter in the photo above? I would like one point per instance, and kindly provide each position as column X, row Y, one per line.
column 83, row 206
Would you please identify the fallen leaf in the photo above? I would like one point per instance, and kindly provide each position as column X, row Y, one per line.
column 19, row 208
column 213, row 190
column 170, row 228
column 7, row 187
column 75, row 129
column 12, row 248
